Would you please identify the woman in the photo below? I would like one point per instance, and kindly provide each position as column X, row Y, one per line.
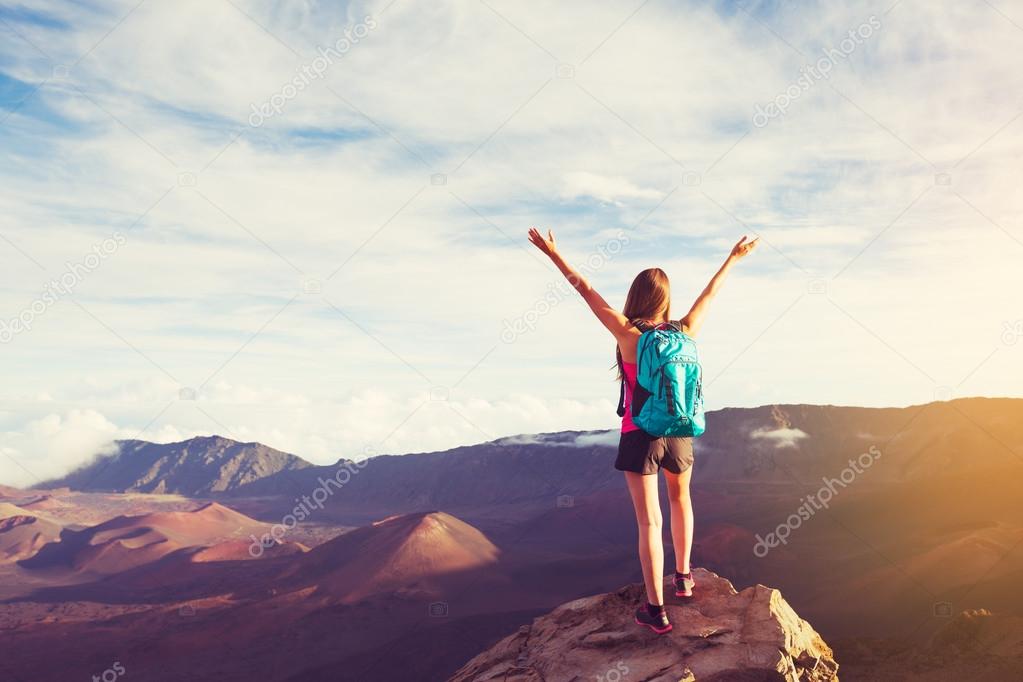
column 640, row 455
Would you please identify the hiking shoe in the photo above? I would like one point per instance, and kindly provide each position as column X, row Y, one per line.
column 658, row 623
column 684, row 585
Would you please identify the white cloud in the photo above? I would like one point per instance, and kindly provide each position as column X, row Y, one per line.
column 784, row 437
column 608, row 438
column 524, row 439
column 604, row 188
column 583, row 440
column 50, row 445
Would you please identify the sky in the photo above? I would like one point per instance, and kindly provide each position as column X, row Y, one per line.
column 304, row 223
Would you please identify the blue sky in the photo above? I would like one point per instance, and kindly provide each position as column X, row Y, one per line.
column 333, row 279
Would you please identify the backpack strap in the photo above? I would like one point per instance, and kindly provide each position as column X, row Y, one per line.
column 621, row 399
column 641, row 326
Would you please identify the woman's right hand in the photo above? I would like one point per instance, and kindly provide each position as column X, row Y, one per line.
column 545, row 244
column 742, row 248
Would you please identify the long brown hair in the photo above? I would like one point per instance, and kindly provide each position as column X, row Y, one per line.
column 649, row 299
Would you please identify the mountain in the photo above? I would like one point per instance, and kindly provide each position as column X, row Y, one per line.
column 126, row 542
column 195, row 467
column 405, row 555
column 782, row 444
column 771, row 445
column 720, row 634
column 24, row 532
column 773, row 450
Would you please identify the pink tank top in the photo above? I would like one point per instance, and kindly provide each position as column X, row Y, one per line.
column 629, row 370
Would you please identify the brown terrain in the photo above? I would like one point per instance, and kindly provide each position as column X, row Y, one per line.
column 407, row 566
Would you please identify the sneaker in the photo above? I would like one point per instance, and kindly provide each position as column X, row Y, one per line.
column 658, row 624
column 684, row 585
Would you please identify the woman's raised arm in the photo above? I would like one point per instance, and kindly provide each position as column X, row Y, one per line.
column 693, row 320
column 615, row 322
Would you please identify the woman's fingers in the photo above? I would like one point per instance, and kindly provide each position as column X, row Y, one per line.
column 742, row 247
column 747, row 247
column 539, row 240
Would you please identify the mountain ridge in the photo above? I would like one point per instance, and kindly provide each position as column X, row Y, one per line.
column 195, row 467
column 762, row 446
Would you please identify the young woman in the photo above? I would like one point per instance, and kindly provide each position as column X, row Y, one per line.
column 640, row 455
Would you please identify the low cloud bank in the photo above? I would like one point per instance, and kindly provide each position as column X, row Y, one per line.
column 785, row 437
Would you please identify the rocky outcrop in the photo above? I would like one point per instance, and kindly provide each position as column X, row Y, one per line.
column 719, row 634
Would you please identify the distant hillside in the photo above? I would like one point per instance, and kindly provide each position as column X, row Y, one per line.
column 125, row 542
column 23, row 532
column 405, row 554
column 772, row 445
column 763, row 448
column 194, row 467
column 788, row 443
column 976, row 644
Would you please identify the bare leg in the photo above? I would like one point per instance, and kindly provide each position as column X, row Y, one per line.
column 681, row 517
column 643, row 490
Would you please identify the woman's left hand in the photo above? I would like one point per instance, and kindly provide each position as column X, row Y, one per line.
column 545, row 244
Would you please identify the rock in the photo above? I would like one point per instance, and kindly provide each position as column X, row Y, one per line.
column 719, row 634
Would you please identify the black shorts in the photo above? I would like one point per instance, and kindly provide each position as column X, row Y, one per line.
column 641, row 453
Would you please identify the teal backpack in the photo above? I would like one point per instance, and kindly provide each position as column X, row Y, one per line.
column 668, row 400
